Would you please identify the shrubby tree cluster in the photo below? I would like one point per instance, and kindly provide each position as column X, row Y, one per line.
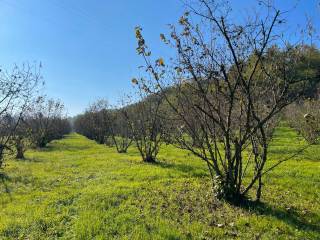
column 43, row 122
column 27, row 120
column 120, row 131
column 17, row 89
column 139, row 123
column 46, row 121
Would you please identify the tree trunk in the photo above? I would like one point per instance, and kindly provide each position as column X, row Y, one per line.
column 1, row 155
column 258, row 195
column 122, row 151
column 231, row 194
column 20, row 149
column 20, row 155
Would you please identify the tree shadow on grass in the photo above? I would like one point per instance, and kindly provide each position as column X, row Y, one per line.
column 4, row 178
column 30, row 159
column 186, row 169
column 289, row 216
column 64, row 147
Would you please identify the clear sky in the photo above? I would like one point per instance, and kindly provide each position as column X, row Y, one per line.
column 87, row 47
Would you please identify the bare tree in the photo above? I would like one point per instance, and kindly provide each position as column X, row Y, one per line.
column 47, row 121
column 146, row 125
column 17, row 88
column 120, row 131
column 21, row 139
column 99, row 119
column 304, row 116
column 230, row 80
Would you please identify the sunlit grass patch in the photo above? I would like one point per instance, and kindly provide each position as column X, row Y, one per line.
column 77, row 189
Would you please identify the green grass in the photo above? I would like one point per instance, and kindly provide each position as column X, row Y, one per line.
column 77, row 189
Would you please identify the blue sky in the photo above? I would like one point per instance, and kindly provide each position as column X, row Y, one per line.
column 87, row 48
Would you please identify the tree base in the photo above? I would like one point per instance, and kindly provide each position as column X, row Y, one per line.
column 122, row 151
column 20, row 156
column 149, row 160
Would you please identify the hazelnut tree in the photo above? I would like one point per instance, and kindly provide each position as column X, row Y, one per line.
column 230, row 80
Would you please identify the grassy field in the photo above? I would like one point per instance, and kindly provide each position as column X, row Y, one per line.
column 77, row 189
